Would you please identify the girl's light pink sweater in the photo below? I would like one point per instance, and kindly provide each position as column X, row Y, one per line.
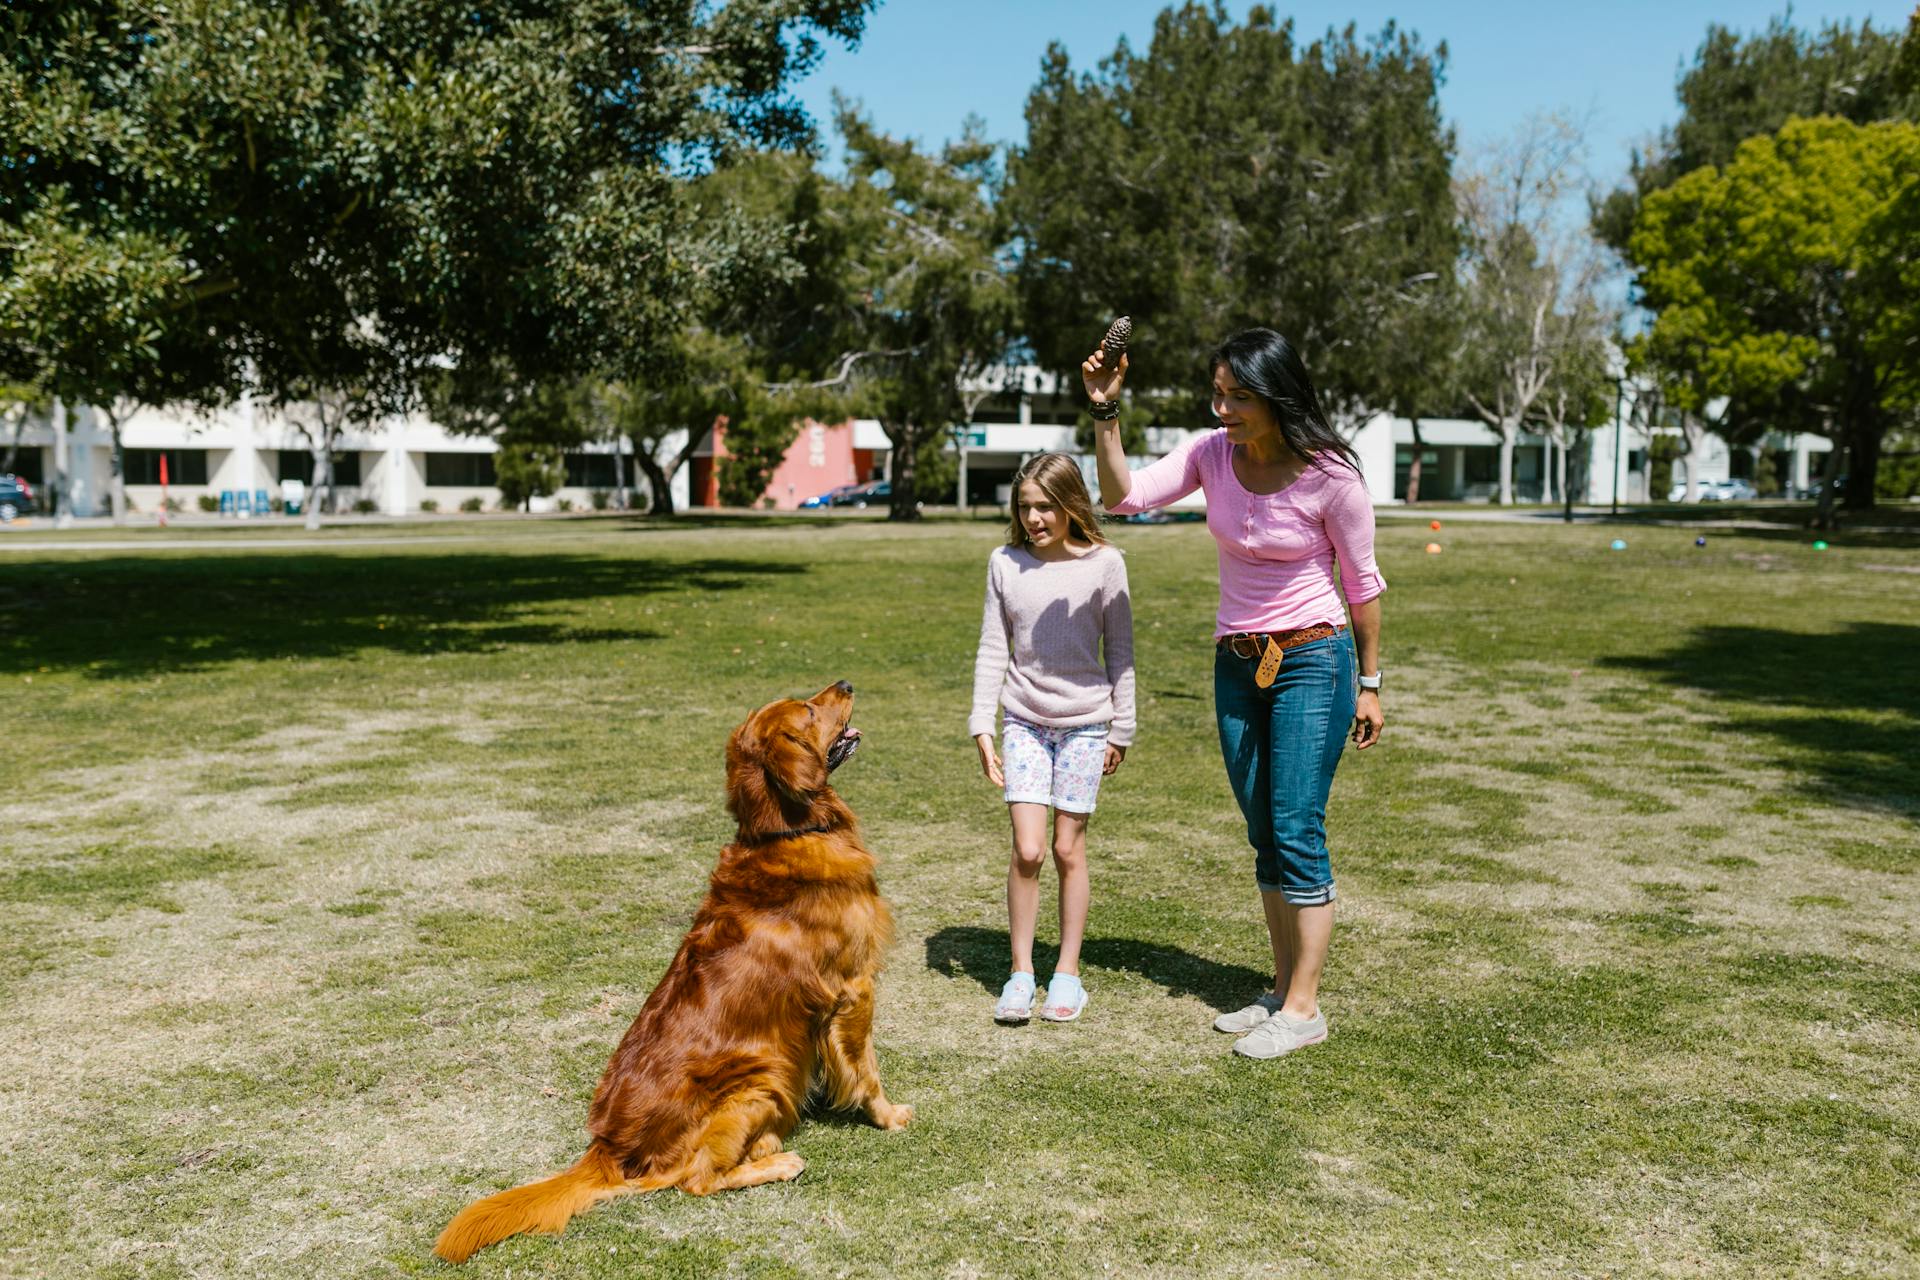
column 1056, row 643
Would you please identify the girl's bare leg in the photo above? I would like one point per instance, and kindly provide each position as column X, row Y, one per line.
column 1023, row 880
column 1070, row 858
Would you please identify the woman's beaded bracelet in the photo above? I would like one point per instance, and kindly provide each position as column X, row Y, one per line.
column 1104, row 410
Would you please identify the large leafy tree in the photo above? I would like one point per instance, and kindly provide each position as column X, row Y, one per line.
column 1742, row 86
column 1230, row 176
column 1738, row 87
column 1788, row 279
column 348, row 196
column 906, row 298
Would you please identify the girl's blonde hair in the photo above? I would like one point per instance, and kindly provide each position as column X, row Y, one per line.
column 1059, row 478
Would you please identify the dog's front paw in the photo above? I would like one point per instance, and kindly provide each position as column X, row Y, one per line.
column 890, row 1117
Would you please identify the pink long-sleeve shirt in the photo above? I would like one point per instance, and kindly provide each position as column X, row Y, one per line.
column 1277, row 550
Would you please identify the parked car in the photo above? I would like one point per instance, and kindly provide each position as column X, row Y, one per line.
column 875, row 494
column 1716, row 491
column 858, row 495
column 16, row 498
column 831, row 498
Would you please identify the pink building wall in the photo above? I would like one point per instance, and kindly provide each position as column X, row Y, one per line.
column 821, row 459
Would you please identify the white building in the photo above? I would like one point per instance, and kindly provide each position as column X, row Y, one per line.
column 239, row 458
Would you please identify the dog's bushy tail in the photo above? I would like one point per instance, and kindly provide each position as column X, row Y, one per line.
column 545, row 1206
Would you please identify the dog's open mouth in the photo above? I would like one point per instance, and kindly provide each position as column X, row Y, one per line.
column 843, row 747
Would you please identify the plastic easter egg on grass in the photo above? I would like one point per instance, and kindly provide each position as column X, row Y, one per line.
column 1701, row 541
column 1433, row 548
column 1820, row 545
column 1618, row 544
column 1435, row 524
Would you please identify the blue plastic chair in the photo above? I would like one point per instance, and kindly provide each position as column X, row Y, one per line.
column 262, row 504
column 227, row 503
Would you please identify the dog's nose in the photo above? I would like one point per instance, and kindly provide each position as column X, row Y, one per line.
column 844, row 686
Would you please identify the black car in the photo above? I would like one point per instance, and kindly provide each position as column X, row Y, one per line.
column 16, row 498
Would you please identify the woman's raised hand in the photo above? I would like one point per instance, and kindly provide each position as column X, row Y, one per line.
column 1101, row 379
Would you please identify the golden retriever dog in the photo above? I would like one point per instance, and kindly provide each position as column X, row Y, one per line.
column 771, row 992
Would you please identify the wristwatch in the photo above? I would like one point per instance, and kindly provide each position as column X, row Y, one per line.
column 1371, row 682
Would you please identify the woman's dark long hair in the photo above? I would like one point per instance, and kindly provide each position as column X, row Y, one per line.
column 1266, row 364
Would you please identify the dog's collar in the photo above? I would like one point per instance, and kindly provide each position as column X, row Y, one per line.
column 818, row 828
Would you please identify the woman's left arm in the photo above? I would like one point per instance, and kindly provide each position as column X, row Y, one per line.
column 1349, row 519
column 1368, row 719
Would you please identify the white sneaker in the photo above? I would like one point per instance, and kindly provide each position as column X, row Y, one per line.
column 1016, row 1001
column 1244, row 1020
column 1065, row 998
column 1282, row 1033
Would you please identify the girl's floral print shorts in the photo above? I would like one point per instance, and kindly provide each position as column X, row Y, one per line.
column 1060, row 767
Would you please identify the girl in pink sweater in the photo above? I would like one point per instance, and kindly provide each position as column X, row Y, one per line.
column 1056, row 652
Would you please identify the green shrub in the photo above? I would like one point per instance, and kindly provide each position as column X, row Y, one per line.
column 475, row 503
column 525, row 471
column 565, row 505
column 365, row 506
column 429, row 505
column 600, row 498
column 210, row 502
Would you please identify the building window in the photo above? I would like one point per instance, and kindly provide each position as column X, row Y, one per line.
column 460, row 470
column 297, row 464
column 588, row 471
column 184, row 466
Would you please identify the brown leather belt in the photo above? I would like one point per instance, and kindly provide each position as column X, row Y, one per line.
column 1252, row 644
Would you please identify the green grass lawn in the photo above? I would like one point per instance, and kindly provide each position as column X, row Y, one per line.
column 330, row 877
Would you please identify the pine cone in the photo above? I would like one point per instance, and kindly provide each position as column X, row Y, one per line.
column 1119, row 333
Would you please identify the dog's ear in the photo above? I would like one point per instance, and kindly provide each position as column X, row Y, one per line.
column 796, row 770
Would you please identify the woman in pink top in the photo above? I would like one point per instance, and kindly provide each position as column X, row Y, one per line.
column 1285, row 504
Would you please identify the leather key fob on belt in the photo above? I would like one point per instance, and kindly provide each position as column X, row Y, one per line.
column 1269, row 663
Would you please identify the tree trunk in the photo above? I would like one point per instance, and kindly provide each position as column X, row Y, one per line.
column 1863, row 466
column 1829, row 473
column 659, row 485
column 902, row 504
column 1694, row 434
column 322, row 486
column 1508, row 430
column 117, row 486
column 13, row 444
column 62, row 482
column 1413, row 471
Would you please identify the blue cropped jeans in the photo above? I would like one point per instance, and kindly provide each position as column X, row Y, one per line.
column 1281, row 745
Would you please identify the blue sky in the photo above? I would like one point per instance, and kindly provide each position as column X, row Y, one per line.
column 925, row 64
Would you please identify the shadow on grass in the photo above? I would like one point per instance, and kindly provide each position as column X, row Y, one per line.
column 1857, row 692
column 981, row 954
column 128, row 616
